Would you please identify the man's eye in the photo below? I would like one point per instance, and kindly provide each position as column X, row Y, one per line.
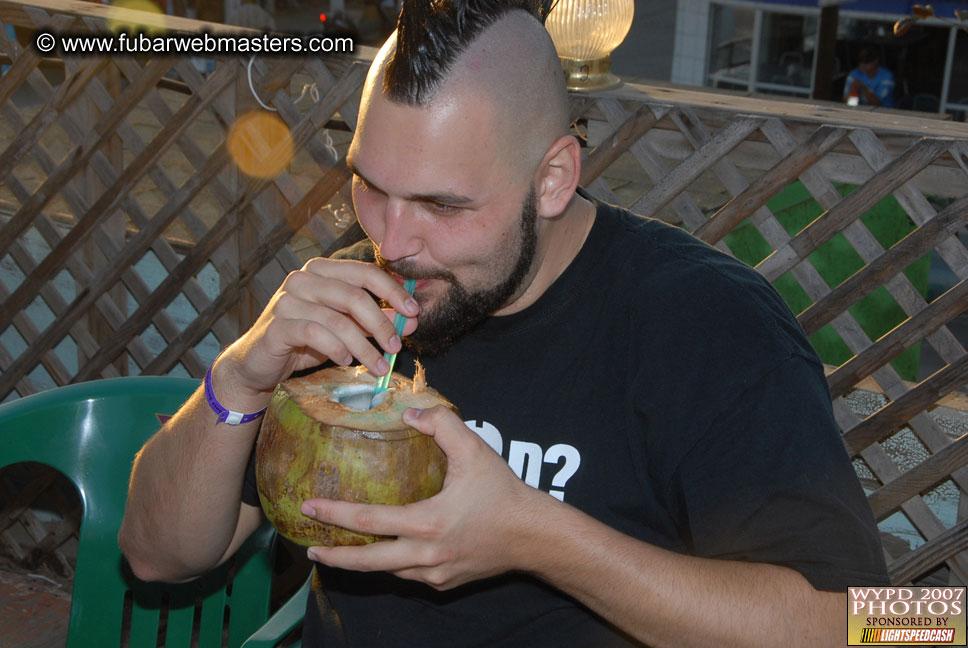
column 442, row 209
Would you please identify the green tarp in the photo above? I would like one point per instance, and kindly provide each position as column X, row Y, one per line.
column 835, row 261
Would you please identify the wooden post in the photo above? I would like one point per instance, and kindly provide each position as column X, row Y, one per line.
column 826, row 52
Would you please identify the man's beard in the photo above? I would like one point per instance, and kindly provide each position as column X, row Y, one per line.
column 459, row 310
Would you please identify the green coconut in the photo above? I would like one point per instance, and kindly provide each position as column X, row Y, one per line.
column 322, row 438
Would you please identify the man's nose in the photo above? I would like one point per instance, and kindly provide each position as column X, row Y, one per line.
column 400, row 236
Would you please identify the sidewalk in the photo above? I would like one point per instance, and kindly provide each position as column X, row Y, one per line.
column 34, row 612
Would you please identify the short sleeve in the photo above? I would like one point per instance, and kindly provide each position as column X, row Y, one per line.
column 771, row 482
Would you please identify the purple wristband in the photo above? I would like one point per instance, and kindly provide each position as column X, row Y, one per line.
column 224, row 415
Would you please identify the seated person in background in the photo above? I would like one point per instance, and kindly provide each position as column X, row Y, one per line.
column 711, row 500
column 872, row 84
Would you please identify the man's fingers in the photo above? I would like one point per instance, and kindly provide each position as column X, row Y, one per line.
column 378, row 556
column 368, row 276
column 344, row 298
column 300, row 322
column 378, row 519
column 408, row 328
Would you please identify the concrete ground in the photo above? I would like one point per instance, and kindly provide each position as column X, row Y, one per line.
column 34, row 611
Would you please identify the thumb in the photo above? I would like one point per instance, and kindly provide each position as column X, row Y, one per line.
column 439, row 422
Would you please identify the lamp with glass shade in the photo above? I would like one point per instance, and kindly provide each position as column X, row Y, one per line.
column 585, row 32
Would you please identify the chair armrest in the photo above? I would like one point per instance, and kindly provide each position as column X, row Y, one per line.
column 283, row 621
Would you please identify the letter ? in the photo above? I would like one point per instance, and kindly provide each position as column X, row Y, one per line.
column 572, row 461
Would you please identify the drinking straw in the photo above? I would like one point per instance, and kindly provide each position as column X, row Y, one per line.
column 398, row 322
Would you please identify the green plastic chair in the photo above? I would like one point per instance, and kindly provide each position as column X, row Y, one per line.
column 90, row 432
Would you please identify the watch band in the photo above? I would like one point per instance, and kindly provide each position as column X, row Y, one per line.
column 226, row 416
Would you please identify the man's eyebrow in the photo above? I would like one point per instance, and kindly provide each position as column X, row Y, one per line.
column 443, row 198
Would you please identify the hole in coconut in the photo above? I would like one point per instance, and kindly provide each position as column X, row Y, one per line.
column 359, row 397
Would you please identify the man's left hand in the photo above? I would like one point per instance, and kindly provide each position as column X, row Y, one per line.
column 470, row 530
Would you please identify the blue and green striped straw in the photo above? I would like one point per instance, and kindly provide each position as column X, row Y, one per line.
column 398, row 323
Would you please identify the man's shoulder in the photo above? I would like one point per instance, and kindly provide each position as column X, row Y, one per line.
column 700, row 291
column 662, row 253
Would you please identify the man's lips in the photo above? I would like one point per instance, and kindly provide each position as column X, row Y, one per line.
column 420, row 282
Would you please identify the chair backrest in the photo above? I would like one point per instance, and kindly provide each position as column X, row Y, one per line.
column 90, row 432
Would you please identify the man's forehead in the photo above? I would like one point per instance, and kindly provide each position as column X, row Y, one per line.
column 459, row 113
column 447, row 150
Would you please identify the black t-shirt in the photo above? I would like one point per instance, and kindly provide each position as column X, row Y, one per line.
column 661, row 387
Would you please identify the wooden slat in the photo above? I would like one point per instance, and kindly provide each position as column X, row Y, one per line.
column 851, row 207
column 651, row 162
column 102, row 131
column 578, row 105
column 190, row 265
column 936, row 314
column 732, row 178
column 603, row 155
column 769, row 184
column 57, row 534
column 26, row 62
column 80, row 273
column 685, row 173
column 25, row 325
column 927, row 556
column 137, row 245
column 915, row 510
column 901, row 255
column 29, row 136
column 192, row 333
column 106, row 307
column 160, row 297
column 930, row 472
column 131, row 278
column 889, row 418
column 112, row 195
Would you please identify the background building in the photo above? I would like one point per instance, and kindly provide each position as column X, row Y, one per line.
column 769, row 46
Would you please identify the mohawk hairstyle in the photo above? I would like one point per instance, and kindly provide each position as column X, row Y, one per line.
column 432, row 34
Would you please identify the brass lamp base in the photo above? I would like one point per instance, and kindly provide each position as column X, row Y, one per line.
column 589, row 75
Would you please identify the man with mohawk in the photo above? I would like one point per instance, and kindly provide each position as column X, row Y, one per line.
column 711, row 501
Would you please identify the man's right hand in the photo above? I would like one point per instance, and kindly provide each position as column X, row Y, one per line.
column 183, row 515
column 325, row 311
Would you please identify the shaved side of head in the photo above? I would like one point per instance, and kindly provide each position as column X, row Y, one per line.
column 495, row 53
column 514, row 66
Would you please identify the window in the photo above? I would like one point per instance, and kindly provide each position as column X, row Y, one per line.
column 958, row 90
column 783, row 44
column 731, row 44
column 787, row 43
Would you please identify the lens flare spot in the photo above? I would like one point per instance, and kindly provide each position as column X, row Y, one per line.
column 120, row 17
column 260, row 143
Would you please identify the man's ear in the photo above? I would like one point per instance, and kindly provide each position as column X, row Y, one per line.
column 557, row 176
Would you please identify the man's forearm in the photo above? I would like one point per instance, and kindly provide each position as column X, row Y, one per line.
column 666, row 599
column 183, row 501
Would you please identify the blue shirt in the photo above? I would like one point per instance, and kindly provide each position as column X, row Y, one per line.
column 882, row 85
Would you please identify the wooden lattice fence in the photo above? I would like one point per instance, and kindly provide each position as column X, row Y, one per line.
column 131, row 243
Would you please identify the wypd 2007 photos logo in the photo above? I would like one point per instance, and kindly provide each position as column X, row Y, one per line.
column 912, row 616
